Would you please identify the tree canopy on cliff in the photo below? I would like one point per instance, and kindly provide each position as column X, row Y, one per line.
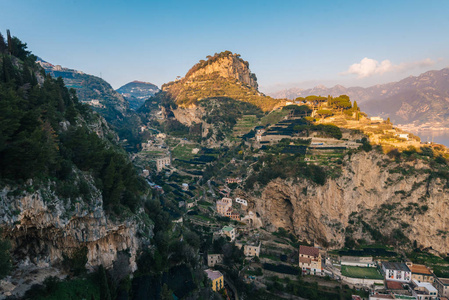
column 44, row 135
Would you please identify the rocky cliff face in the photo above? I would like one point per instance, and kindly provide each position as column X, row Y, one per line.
column 372, row 200
column 230, row 66
column 42, row 228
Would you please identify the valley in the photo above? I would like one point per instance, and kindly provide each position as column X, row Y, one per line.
column 210, row 190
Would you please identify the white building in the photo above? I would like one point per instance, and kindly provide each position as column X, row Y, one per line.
column 241, row 201
column 396, row 271
column 424, row 290
column 402, row 136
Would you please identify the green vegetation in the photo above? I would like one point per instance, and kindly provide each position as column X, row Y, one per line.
column 270, row 167
column 360, row 272
column 32, row 144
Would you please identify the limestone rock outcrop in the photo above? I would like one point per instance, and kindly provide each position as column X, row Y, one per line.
column 43, row 228
column 230, row 66
column 374, row 198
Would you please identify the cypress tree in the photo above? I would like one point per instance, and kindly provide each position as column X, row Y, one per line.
column 8, row 34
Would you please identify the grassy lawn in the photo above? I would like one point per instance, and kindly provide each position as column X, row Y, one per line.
column 360, row 272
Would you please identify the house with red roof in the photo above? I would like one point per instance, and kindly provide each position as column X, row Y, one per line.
column 310, row 260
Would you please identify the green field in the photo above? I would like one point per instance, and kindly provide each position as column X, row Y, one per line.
column 360, row 272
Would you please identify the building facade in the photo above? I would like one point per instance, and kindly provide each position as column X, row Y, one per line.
column 217, row 279
column 213, row 259
column 442, row 285
column 396, row 271
column 310, row 260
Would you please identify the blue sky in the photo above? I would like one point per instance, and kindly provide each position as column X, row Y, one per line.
column 287, row 43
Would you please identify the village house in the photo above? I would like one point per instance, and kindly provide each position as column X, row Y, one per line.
column 163, row 162
column 396, row 271
column 223, row 206
column 234, row 216
column 424, row 290
column 358, row 261
column 217, row 279
column 310, row 260
column 442, row 285
column 213, row 259
column 243, row 202
column 251, row 248
column 420, row 272
column 230, row 232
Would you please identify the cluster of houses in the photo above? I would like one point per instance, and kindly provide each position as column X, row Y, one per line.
column 250, row 249
column 400, row 280
column 224, row 207
column 411, row 281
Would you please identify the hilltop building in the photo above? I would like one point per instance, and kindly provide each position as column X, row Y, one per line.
column 310, row 260
column 223, row 206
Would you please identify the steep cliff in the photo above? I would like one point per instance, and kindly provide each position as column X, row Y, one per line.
column 227, row 65
column 223, row 75
column 43, row 228
column 375, row 199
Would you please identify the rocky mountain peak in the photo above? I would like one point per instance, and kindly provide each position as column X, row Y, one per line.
column 227, row 65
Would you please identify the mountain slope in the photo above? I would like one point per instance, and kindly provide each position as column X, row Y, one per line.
column 136, row 92
column 223, row 75
column 67, row 189
column 101, row 97
column 414, row 100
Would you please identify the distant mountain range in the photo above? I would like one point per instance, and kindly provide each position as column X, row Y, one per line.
column 420, row 101
column 136, row 92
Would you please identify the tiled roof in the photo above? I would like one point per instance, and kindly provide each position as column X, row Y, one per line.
column 444, row 281
column 420, row 269
column 213, row 274
column 394, row 285
column 310, row 251
column 396, row 266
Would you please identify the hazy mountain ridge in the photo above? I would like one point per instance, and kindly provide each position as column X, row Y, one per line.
column 136, row 92
column 100, row 95
column 414, row 100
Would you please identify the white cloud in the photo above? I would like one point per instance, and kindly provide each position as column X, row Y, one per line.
column 369, row 67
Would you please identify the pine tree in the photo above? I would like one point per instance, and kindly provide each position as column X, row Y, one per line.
column 3, row 45
column 356, row 108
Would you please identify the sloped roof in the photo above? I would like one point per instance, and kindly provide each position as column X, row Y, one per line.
column 310, row 251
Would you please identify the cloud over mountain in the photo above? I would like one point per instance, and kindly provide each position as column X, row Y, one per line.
column 369, row 67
